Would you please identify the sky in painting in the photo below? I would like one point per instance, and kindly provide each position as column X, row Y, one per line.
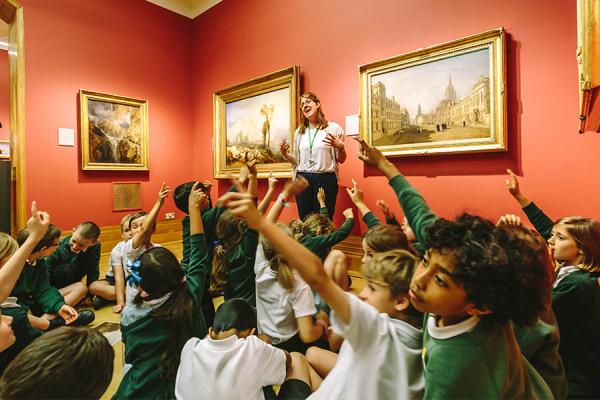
column 426, row 84
column 244, row 115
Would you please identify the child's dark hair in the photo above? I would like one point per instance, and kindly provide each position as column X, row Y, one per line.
column 57, row 365
column 490, row 277
column 382, row 238
column 228, row 232
column 182, row 192
column 161, row 273
column 529, row 258
column 317, row 224
column 88, row 230
column 51, row 235
column 236, row 314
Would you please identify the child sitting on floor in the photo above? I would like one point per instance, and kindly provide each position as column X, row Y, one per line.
column 112, row 287
column 231, row 362
column 381, row 357
column 76, row 256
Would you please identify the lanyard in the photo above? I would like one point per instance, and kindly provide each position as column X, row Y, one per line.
column 311, row 140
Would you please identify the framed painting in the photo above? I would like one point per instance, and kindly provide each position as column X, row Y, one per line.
column 253, row 117
column 449, row 98
column 4, row 149
column 114, row 132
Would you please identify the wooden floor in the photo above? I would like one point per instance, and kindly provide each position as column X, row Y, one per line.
column 106, row 313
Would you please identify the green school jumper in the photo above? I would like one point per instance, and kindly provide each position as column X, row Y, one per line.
column 417, row 212
column 85, row 262
column 145, row 339
column 33, row 290
column 484, row 363
column 241, row 279
column 576, row 304
column 321, row 244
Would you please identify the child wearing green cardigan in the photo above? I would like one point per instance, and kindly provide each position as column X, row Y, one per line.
column 165, row 313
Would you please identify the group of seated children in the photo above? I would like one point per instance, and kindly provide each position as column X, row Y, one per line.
column 451, row 308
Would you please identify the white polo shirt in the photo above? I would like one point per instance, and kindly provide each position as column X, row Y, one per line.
column 278, row 308
column 323, row 157
column 379, row 359
column 231, row 368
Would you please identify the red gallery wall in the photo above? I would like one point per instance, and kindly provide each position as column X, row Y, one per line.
column 238, row 40
column 130, row 48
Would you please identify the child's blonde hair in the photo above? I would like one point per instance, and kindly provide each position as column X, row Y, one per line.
column 8, row 246
column 395, row 268
column 586, row 233
column 296, row 227
column 285, row 275
column 317, row 224
column 228, row 232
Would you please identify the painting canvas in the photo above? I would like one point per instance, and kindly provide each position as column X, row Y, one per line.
column 251, row 119
column 114, row 132
column 443, row 99
column 258, row 124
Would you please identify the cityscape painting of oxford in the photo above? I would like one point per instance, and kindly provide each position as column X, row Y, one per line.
column 442, row 99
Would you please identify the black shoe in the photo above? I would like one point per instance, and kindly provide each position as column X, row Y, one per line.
column 55, row 323
column 100, row 302
column 85, row 317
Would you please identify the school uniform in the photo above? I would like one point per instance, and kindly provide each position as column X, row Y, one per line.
column 278, row 308
column 539, row 344
column 34, row 291
column 230, row 368
column 66, row 267
column 130, row 254
column 145, row 336
column 380, row 357
column 420, row 217
column 477, row 359
column 576, row 304
column 23, row 331
column 240, row 269
column 321, row 244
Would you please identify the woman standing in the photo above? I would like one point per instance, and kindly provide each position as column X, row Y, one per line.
column 318, row 149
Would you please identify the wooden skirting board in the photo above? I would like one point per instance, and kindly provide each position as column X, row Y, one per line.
column 169, row 231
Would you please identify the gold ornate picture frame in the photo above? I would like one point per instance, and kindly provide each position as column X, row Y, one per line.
column 253, row 117
column 449, row 98
column 114, row 132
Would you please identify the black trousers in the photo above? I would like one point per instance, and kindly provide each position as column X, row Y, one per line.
column 307, row 201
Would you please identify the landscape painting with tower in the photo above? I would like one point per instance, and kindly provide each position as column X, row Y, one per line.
column 449, row 101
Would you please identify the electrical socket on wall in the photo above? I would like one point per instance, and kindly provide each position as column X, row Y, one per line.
column 169, row 215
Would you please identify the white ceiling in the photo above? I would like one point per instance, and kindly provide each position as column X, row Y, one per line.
column 188, row 8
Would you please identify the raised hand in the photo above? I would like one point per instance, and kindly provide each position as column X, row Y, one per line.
column 321, row 196
column 272, row 181
column 198, row 198
column 284, row 147
column 37, row 223
column 355, row 193
column 385, row 209
column 334, row 141
column 348, row 213
column 68, row 313
column 370, row 155
column 242, row 206
column 244, row 173
column 250, row 159
column 163, row 193
column 512, row 184
column 298, row 185
column 208, row 185
column 509, row 219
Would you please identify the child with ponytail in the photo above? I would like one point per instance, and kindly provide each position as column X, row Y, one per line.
column 165, row 313
column 284, row 302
